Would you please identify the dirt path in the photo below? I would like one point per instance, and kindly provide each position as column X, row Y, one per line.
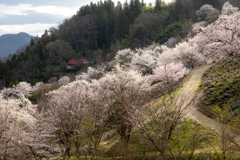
column 187, row 95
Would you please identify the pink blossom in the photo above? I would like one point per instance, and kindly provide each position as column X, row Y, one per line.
column 52, row 79
column 64, row 80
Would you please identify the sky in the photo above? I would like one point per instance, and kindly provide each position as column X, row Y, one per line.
column 35, row 16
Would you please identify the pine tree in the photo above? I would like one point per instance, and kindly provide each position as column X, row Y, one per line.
column 158, row 6
column 27, row 49
column 111, row 23
column 178, row 10
column 102, row 35
column 32, row 43
column 126, row 10
column 134, row 11
column 130, row 13
column 137, row 8
column 39, row 50
column 122, row 25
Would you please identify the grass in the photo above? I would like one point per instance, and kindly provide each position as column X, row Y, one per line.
column 221, row 82
column 141, row 148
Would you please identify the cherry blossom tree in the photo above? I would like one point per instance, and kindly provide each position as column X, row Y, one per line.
column 37, row 140
column 204, row 11
column 97, row 72
column 159, row 124
column 144, row 61
column 197, row 27
column 188, row 54
column 92, row 73
column 110, row 100
column 68, row 110
column 19, row 109
column 64, row 80
column 7, row 148
column 12, row 93
column 124, row 56
column 228, row 9
column 21, row 136
column 52, row 80
column 164, row 126
column 171, row 42
column 16, row 91
column 124, row 93
column 24, row 87
column 220, row 38
column 99, row 113
column 167, row 74
column 38, row 86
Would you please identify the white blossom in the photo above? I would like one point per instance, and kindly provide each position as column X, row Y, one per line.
column 171, row 42
column 220, row 38
column 228, row 9
column 124, row 56
column 16, row 91
column 204, row 11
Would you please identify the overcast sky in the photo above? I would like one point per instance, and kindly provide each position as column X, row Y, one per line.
column 34, row 16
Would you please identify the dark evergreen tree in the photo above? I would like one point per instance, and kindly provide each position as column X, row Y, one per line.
column 177, row 10
column 158, row 7
column 32, row 42
column 102, row 35
column 14, row 57
column 137, row 8
column 27, row 49
column 111, row 23
column 122, row 25
column 38, row 50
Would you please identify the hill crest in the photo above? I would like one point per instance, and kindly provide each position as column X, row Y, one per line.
column 9, row 43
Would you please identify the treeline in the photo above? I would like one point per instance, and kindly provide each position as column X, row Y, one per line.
column 38, row 61
column 97, row 31
column 133, row 23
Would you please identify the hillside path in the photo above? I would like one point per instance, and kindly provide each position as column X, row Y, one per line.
column 188, row 93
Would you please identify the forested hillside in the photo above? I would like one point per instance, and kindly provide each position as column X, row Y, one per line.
column 98, row 31
column 9, row 43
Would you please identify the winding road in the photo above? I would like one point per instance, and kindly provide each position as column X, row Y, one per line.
column 188, row 93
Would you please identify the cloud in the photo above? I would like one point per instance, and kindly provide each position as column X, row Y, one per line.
column 14, row 10
column 60, row 3
column 22, row 9
column 32, row 29
column 63, row 11
column 32, row 17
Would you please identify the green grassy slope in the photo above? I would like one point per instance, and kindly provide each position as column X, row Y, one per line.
column 221, row 83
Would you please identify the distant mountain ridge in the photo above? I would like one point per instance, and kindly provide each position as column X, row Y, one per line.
column 9, row 43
